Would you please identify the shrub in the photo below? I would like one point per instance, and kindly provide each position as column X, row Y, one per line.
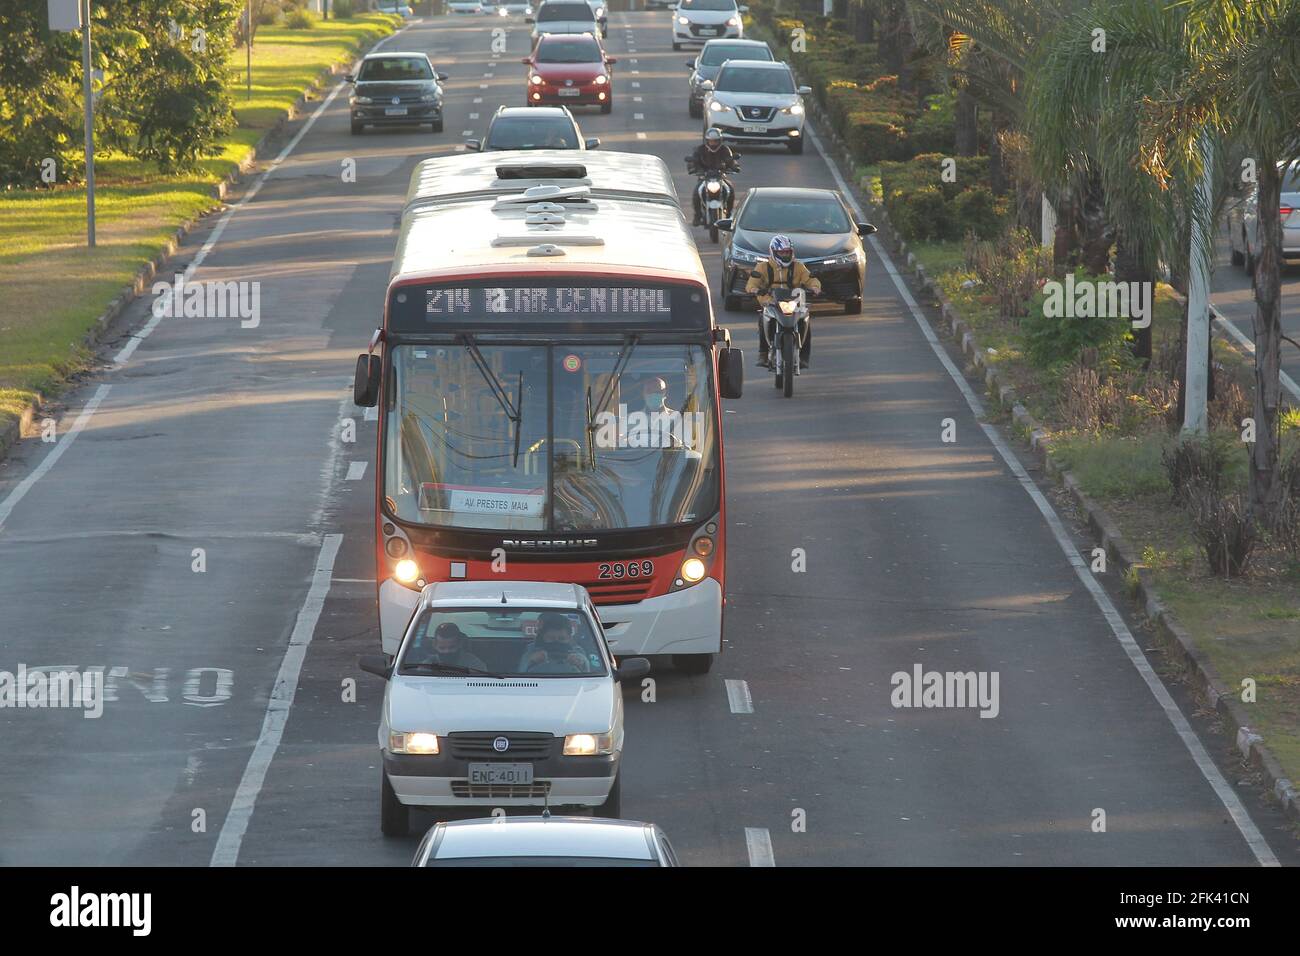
column 1124, row 402
column 1197, row 463
column 934, row 130
column 300, row 20
column 1224, row 527
column 975, row 210
column 1051, row 341
column 1010, row 268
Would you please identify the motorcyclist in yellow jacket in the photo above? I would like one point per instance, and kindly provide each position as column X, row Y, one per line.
column 783, row 271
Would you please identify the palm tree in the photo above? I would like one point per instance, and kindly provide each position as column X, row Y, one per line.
column 1245, row 86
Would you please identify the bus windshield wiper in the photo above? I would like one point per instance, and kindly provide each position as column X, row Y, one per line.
column 437, row 667
column 513, row 411
column 620, row 366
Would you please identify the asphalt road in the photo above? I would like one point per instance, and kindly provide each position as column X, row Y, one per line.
column 228, row 439
column 1232, row 292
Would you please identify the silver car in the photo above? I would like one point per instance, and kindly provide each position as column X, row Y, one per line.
column 699, row 21
column 564, row 16
column 544, row 841
column 756, row 102
column 1243, row 221
column 706, row 65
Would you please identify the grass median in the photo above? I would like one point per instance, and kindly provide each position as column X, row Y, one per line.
column 52, row 287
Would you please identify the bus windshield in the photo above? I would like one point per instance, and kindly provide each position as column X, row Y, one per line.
column 551, row 437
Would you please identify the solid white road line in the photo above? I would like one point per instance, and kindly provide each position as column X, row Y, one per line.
column 1244, row 341
column 11, row 500
column 738, row 697
column 1254, row 839
column 136, row 338
column 759, row 844
column 356, row 470
column 226, row 852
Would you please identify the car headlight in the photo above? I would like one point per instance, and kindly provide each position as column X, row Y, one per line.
column 847, row 259
column 602, row 80
column 429, row 98
column 503, row 12
column 535, row 80
column 717, row 107
column 683, row 21
column 588, row 745
column 407, row 572
column 362, row 100
column 733, row 22
column 797, row 109
column 744, row 255
column 418, row 742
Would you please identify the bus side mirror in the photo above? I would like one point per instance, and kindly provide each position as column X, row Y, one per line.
column 731, row 373
column 365, row 387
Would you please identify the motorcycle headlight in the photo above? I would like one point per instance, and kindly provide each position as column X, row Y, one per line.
column 787, row 308
column 714, row 187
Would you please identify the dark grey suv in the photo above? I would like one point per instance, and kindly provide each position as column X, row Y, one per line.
column 715, row 53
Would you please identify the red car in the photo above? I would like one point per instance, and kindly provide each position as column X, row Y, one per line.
column 572, row 69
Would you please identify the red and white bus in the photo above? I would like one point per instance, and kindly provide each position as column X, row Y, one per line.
column 549, row 386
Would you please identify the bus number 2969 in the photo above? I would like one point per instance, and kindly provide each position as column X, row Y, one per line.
column 632, row 569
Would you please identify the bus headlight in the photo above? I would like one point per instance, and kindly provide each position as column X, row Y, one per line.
column 588, row 745
column 702, row 546
column 406, row 572
column 395, row 547
column 693, row 570
column 419, row 742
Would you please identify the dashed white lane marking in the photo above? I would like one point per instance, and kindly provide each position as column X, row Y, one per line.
column 759, row 844
column 636, row 85
column 467, row 132
column 226, row 852
column 488, row 76
column 11, row 500
column 636, row 99
column 372, row 413
column 473, row 116
column 1254, row 839
column 353, row 580
column 738, row 697
column 136, row 338
column 483, row 86
column 640, row 136
column 356, row 470
column 478, row 99
column 638, row 116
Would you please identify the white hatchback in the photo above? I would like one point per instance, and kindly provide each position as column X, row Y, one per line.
column 699, row 21
column 501, row 695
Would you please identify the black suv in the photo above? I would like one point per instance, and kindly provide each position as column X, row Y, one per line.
column 396, row 89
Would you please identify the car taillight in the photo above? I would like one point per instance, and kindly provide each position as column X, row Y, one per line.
column 1285, row 211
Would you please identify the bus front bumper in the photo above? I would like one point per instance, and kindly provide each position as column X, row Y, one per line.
column 683, row 622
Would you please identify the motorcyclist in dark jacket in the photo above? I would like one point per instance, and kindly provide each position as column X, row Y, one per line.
column 710, row 156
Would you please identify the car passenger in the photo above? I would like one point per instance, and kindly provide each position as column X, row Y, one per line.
column 553, row 651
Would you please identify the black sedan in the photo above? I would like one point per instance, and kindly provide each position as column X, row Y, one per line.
column 396, row 89
column 826, row 240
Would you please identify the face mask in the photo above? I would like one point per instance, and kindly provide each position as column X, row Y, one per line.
column 655, row 401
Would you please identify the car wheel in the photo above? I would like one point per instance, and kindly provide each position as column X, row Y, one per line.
column 693, row 663
column 1237, row 258
column 357, row 128
column 607, row 106
column 676, row 47
column 612, row 808
column 437, row 126
column 394, row 816
column 697, row 109
column 732, row 303
column 796, row 145
column 853, row 306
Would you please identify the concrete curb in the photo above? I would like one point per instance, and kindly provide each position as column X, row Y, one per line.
column 11, row 432
column 1175, row 642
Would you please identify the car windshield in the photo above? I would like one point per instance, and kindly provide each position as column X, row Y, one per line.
column 549, row 437
column 716, row 55
column 527, row 132
column 504, row 642
column 395, row 69
column 1291, row 179
column 564, row 11
column 740, row 79
column 824, row 216
column 717, row 5
column 578, row 50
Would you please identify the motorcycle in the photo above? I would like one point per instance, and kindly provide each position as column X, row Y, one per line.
column 716, row 196
column 787, row 321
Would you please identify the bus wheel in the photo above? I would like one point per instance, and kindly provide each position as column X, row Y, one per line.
column 394, row 816
column 693, row 663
